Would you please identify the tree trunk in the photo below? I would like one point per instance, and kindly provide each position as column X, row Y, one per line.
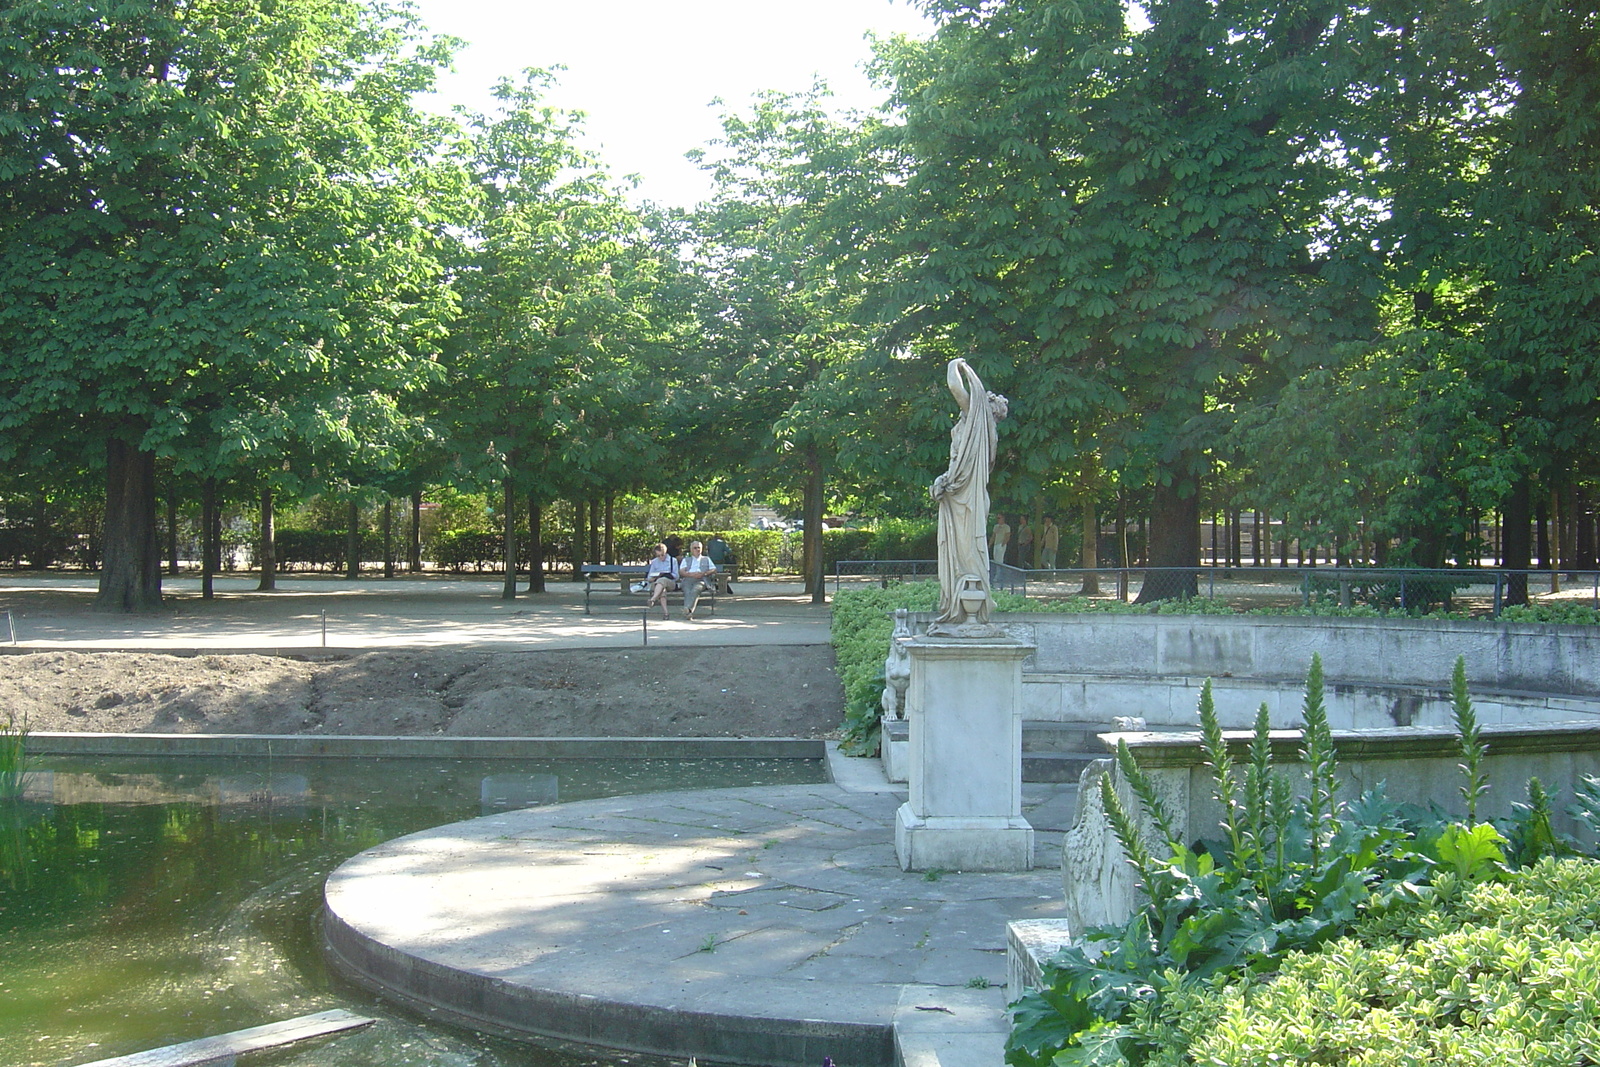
column 1174, row 539
column 1089, row 547
column 208, row 541
column 508, row 532
column 816, row 582
column 1541, row 535
column 267, row 550
column 130, row 575
column 1516, row 518
column 352, row 543
column 580, row 529
column 414, row 553
column 1583, row 542
column 1122, row 545
column 388, row 537
column 594, row 532
column 1556, row 544
column 172, row 530
column 535, row 547
column 610, row 555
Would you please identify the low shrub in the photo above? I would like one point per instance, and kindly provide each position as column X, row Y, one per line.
column 1317, row 931
column 458, row 550
column 301, row 549
column 32, row 546
column 1502, row 972
column 757, row 551
column 846, row 543
column 904, row 539
column 1560, row 612
column 863, row 619
column 861, row 625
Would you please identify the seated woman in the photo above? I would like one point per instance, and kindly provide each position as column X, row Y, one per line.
column 697, row 570
column 662, row 578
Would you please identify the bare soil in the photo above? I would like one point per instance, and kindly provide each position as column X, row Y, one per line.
column 766, row 691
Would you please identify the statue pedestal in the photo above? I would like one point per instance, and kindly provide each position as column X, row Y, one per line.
column 965, row 709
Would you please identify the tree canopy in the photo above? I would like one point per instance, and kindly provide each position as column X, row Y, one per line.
column 1330, row 261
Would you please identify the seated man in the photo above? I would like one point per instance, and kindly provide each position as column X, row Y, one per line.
column 696, row 573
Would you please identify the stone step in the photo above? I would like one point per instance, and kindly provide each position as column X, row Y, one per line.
column 1063, row 736
column 1055, row 766
column 1037, row 736
column 1051, row 751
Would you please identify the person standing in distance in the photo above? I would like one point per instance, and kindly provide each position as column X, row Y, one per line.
column 1049, row 542
column 1000, row 541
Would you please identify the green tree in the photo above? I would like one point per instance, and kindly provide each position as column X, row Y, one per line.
column 215, row 231
column 1143, row 224
column 779, row 398
column 1483, row 390
column 556, row 282
column 1530, row 240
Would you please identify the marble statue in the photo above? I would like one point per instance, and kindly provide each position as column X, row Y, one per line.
column 963, row 496
column 897, row 668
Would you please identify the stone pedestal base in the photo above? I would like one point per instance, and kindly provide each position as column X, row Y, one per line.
column 962, row 844
column 894, row 748
column 964, row 705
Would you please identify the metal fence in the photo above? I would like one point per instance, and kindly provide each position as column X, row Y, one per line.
column 1483, row 591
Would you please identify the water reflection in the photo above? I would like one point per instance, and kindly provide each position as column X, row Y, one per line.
column 250, row 796
column 146, row 902
column 508, row 792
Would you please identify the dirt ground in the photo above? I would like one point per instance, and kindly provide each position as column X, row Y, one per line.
column 766, row 691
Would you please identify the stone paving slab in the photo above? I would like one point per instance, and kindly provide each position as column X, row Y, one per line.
column 764, row 926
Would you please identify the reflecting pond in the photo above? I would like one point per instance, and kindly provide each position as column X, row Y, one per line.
column 145, row 902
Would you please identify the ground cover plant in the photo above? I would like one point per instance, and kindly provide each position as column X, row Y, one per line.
column 1314, row 929
column 1502, row 970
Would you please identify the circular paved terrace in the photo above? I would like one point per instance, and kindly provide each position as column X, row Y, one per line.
column 762, row 926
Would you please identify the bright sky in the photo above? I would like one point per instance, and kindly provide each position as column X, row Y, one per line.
column 645, row 71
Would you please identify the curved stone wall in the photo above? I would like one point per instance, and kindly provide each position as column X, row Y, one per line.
column 1380, row 673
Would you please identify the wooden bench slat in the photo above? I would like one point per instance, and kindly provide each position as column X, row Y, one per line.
column 254, row 1039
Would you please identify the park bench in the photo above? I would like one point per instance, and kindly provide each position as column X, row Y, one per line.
column 629, row 573
column 625, row 573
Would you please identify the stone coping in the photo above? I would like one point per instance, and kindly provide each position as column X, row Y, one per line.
column 1296, row 683
column 1178, row 749
column 348, row 746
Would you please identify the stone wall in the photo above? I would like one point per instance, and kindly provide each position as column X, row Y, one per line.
column 1380, row 672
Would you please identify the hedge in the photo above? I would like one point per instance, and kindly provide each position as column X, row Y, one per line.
column 33, row 547
column 297, row 549
column 1505, row 972
column 863, row 619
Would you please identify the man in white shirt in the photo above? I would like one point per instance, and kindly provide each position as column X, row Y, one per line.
column 697, row 571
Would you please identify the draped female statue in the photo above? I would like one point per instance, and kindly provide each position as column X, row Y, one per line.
column 963, row 496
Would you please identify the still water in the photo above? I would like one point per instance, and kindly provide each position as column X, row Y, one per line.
column 147, row 902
